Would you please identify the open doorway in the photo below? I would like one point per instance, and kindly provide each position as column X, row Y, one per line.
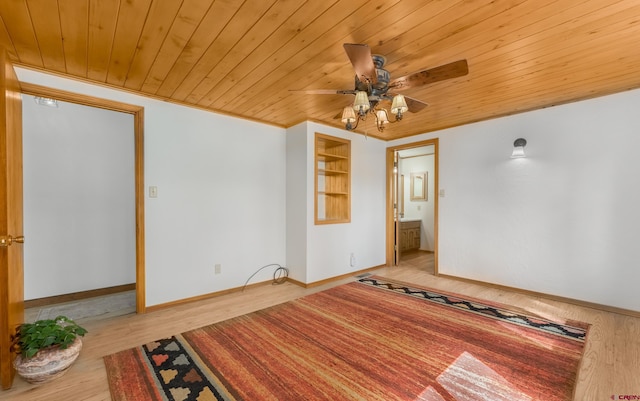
column 413, row 205
column 133, row 141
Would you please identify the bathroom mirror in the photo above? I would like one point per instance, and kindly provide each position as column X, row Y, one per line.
column 419, row 186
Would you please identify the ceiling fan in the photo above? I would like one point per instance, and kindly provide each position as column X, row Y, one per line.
column 373, row 85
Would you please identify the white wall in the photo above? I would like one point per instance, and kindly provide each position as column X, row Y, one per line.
column 298, row 156
column 221, row 194
column 329, row 246
column 562, row 221
column 79, row 199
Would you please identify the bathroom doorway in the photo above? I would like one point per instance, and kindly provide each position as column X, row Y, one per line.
column 412, row 205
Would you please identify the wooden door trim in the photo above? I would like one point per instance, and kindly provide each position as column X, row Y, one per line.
column 138, row 128
column 390, row 224
column 11, row 218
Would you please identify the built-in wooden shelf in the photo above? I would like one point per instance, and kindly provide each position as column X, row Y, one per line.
column 331, row 172
column 332, row 179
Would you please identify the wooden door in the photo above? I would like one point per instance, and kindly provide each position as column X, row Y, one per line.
column 398, row 206
column 11, row 250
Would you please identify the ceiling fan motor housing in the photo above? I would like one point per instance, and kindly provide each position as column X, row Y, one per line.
column 383, row 79
column 382, row 75
column 379, row 88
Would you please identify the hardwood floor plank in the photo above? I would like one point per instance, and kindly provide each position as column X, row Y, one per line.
column 596, row 372
column 626, row 356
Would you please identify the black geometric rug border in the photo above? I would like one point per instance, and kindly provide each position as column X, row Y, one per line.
column 538, row 323
column 187, row 381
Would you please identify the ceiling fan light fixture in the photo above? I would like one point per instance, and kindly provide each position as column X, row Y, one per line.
column 361, row 104
column 381, row 119
column 381, row 116
column 348, row 117
column 399, row 106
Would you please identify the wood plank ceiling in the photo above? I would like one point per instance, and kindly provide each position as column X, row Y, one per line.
column 242, row 57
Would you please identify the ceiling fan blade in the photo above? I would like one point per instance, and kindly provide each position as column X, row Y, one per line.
column 324, row 92
column 415, row 105
column 447, row 71
column 360, row 57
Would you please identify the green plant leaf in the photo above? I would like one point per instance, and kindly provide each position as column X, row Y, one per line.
column 30, row 352
column 32, row 337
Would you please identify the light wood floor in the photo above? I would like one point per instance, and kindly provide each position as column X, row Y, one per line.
column 611, row 362
column 421, row 260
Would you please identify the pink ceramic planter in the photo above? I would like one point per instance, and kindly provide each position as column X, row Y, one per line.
column 48, row 363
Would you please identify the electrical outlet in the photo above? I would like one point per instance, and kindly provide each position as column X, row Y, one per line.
column 153, row 192
column 217, row 268
column 352, row 260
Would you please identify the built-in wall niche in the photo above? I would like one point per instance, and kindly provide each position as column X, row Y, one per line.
column 332, row 179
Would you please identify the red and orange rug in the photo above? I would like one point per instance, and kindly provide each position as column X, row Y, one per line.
column 374, row 339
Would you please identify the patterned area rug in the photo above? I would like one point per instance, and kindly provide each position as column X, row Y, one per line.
column 373, row 339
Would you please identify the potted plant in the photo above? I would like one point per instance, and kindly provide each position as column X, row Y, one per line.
column 46, row 348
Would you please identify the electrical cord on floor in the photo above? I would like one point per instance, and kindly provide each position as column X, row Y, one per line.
column 280, row 274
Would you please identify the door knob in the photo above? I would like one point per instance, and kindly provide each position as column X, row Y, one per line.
column 6, row 240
